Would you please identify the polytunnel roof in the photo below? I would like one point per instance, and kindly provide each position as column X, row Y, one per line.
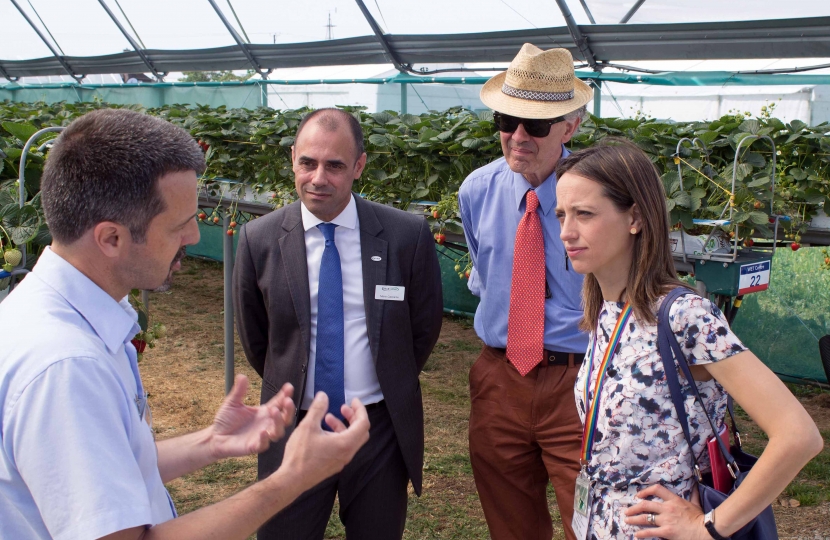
column 191, row 35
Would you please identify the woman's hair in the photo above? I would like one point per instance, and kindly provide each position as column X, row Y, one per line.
column 628, row 177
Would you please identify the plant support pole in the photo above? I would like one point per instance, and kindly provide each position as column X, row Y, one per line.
column 227, row 259
column 597, row 97
column 21, row 180
column 403, row 98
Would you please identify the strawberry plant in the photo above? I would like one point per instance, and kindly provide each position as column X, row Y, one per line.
column 426, row 157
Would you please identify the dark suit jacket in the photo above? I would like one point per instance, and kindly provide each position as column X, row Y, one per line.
column 272, row 308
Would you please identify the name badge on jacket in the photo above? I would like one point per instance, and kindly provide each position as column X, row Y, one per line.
column 389, row 292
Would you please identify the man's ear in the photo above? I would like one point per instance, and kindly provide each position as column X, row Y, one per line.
column 111, row 238
column 572, row 127
column 360, row 165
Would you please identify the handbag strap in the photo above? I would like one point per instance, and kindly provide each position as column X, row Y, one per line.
column 670, row 350
column 736, row 433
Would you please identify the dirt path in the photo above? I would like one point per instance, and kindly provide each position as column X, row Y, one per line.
column 184, row 375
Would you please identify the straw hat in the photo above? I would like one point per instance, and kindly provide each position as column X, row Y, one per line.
column 538, row 84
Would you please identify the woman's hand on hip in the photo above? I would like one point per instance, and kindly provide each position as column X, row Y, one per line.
column 675, row 518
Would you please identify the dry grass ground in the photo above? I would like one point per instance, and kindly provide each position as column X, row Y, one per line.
column 184, row 375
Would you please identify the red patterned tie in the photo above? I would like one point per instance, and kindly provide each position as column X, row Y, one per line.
column 526, row 319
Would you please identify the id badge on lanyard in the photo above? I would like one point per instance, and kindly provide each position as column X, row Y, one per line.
column 582, row 505
column 582, row 491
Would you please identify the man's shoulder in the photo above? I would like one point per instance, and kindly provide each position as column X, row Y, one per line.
column 390, row 215
column 481, row 179
column 272, row 223
column 39, row 329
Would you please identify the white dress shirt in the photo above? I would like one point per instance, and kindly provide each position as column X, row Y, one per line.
column 359, row 376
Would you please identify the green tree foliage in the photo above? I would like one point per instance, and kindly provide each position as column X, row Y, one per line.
column 214, row 76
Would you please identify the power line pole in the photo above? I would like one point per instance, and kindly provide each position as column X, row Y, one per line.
column 329, row 26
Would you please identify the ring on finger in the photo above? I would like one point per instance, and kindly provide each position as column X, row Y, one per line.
column 652, row 519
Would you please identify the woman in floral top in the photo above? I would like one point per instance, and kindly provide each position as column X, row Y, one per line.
column 614, row 225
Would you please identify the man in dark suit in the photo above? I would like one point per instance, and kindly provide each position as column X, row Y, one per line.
column 341, row 295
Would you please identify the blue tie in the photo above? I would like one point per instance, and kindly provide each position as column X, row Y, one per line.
column 328, row 369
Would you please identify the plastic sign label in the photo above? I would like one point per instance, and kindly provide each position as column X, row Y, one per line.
column 754, row 277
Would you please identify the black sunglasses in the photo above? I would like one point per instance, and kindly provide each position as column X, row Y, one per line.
column 535, row 128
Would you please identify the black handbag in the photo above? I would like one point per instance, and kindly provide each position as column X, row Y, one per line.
column 762, row 527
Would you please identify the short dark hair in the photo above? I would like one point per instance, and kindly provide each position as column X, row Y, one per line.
column 105, row 166
column 330, row 119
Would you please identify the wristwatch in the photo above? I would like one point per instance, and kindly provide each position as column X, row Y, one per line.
column 709, row 523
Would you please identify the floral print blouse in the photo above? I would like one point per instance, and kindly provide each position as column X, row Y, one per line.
column 639, row 441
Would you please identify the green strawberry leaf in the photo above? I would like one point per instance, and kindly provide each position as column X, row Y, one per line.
column 22, row 224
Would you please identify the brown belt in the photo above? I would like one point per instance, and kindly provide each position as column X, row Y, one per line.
column 553, row 358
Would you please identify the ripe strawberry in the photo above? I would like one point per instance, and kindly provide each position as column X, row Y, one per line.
column 748, row 242
column 440, row 238
column 216, row 219
column 13, row 257
column 757, row 205
column 233, row 225
column 827, row 261
column 795, row 246
column 139, row 345
column 202, row 216
column 230, row 232
column 435, row 214
column 467, row 274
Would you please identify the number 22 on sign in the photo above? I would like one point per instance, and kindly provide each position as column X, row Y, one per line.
column 754, row 277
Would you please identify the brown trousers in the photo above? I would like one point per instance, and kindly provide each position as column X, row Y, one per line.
column 524, row 431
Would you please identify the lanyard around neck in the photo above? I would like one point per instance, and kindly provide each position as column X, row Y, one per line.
column 592, row 412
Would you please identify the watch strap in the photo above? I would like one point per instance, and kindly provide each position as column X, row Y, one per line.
column 709, row 523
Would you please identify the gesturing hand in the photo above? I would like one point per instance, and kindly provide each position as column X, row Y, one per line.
column 675, row 518
column 239, row 429
column 311, row 454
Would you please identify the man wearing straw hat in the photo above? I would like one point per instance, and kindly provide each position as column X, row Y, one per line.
column 524, row 428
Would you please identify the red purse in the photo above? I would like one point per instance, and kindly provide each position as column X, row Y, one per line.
column 722, row 479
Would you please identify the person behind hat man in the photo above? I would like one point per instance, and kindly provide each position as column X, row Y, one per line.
column 524, row 428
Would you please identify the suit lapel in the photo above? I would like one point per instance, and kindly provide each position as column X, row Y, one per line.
column 292, row 247
column 374, row 259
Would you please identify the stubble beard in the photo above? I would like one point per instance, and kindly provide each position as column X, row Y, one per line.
column 168, row 282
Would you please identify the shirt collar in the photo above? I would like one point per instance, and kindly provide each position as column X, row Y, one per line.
column 114, row 322
column 347, row 218
column 546, row 192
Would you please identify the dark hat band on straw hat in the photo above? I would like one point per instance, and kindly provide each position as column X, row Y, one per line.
column 536, row 96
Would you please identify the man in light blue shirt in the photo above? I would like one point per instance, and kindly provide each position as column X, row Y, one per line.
column 78, row 459
column 524, row 427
